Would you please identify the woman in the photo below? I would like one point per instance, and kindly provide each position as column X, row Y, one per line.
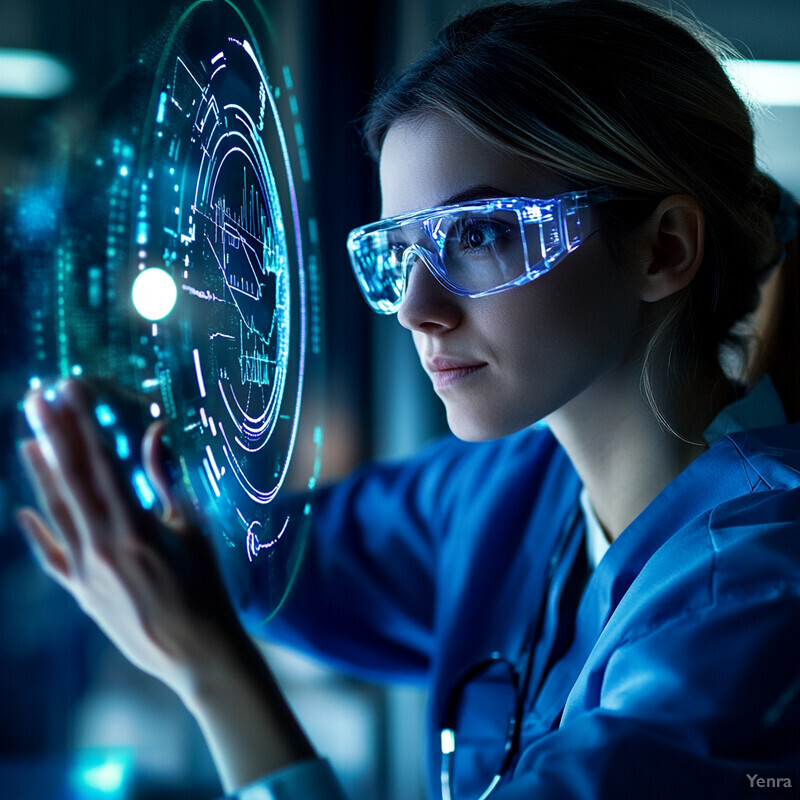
column 574, row 230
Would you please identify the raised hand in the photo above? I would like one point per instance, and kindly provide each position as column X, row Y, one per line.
column 151, row 583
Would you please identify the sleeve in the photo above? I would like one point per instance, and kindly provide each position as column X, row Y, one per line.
column 309, row 780
column 364, row 597
column 702, row 706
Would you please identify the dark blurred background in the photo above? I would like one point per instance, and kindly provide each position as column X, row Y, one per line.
column 75, row 720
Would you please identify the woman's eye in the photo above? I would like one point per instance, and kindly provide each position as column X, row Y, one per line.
column 480, row 235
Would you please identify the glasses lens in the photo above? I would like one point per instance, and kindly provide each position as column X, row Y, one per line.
column 378, row 264
column 483, row 711
column 480, row 250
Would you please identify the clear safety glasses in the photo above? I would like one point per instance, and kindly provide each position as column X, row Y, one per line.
column 473, row 249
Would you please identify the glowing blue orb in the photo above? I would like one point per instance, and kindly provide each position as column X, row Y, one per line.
column 154, row 293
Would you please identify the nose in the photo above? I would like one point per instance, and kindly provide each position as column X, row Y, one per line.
column 427, row 306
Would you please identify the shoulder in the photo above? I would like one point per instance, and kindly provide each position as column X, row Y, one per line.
column 450, row 486
column 726, row 534
column 452, row 469
column 768, row 457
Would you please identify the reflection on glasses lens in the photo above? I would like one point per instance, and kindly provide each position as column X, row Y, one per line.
column 483, row 251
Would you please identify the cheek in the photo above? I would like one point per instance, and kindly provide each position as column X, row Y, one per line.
column 570, row 327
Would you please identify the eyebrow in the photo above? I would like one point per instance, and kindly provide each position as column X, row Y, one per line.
column 479, row 192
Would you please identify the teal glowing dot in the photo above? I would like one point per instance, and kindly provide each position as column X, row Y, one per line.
column 77, row 370
column 154, row 293
column 144, row 491
column 123, row 446
column 105, row 779
column 105, row 416
column 155, row 410
column 307, row 509
column 35, row 383
column 124, row 171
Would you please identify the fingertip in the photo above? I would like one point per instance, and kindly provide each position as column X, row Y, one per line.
column 31, row 457
column 26, row 522
column 22, row 517
column 24, row 447
column 41, row 544
column 72, row 391
column 34, row 408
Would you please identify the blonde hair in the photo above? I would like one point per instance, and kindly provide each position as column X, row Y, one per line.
column 608, row 92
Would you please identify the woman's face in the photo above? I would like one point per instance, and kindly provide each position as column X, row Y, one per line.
column 500, row 363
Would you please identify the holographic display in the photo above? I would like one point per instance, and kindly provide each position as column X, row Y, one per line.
column 190, row 275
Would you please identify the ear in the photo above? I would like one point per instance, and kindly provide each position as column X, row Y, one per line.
column 674, row 247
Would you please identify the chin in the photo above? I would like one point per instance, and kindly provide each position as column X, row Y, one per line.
column 480, row 428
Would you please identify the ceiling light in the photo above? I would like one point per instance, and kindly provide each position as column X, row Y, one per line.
column 770, row 83
column 32, row 75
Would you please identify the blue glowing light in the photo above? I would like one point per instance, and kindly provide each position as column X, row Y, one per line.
column 144, row 491
column 107, row 778
column 123, row 446
column 162, row 105
column 124, row 171
column 105, row 416
column 101, row 775
column 37, row 212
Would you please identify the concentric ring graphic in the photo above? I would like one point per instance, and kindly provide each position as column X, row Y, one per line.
column 187, row 272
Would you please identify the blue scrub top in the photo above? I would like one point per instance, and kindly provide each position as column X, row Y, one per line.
column 680, row 673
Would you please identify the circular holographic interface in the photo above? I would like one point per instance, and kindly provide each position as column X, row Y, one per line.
column 191, row 278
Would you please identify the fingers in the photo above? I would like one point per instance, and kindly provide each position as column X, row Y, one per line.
column 84, row 472
column 154, row 458
column 49, row 499
column 50, row 556
column 40, row 538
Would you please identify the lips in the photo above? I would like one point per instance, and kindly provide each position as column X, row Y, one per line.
column 448, row 370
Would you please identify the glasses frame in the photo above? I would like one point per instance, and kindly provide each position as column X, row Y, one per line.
column 565, row 208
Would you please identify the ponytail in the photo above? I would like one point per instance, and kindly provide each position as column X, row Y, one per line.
column 776, row 324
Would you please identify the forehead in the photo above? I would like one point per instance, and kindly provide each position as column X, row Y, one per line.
column 427, row 160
